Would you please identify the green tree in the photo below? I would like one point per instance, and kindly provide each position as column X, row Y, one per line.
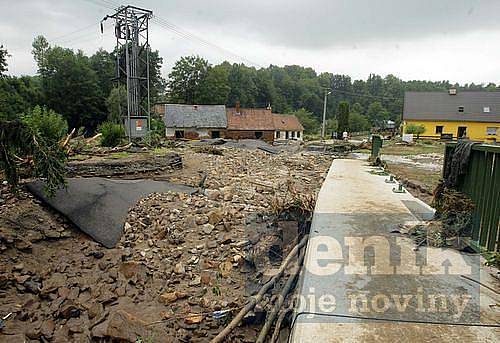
column 376, row 114
column 46, row 123
column 343, row 118
column 357, row 108
column 358, row 122
column 415, row 129
column 70, row 86
column 116, row 104
column 18, row 95
column 214, row 88
column 40, row 47
column 310, row 124
column 103, row 64
column 3, row 60
column 157, row 83
column 185, row 78
column 243, row 87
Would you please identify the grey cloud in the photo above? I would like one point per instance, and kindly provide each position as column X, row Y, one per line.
column 323, row 24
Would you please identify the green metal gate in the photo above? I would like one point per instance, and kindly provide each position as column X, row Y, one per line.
column 481, row 184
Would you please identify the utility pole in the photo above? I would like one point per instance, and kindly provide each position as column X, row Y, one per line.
column 132, row 66
column 323, row 127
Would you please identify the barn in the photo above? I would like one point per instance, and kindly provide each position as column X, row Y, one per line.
column 250, row 123
column 195, row 121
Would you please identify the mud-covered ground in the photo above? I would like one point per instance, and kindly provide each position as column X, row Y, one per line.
column 184, row 266
column 418, row 166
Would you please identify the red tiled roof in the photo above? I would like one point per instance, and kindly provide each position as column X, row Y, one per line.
column 286, row 122
column 250, row 119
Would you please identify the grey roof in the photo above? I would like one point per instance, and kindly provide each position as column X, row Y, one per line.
column 441, row 106
column 196, row 116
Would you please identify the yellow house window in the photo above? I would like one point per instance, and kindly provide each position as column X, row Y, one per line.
column 439, row 129
column 491, row 131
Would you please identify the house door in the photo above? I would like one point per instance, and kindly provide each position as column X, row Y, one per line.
column 286, row 134
column 215, row 134
column 462, row 132
column 179, row 134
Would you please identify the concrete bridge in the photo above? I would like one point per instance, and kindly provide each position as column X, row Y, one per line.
column 365, row 280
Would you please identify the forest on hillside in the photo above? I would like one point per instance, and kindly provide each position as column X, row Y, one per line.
column 80, row 88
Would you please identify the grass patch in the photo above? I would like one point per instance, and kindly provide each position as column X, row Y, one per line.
column 79, row 157
column 161, row 151
column 118, row 155
column 426, row 178
column 421, row 147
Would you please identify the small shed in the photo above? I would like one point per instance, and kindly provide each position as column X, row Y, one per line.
column 195, row 121
column 287, row 127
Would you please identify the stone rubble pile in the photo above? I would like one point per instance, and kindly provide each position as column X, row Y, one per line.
column 185, row 264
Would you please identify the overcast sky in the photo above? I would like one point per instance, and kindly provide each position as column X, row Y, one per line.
column 456, row 40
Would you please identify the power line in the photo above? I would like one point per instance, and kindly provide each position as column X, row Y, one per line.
column 58, row 38
column 183, row 33
column 88, row 39
column 188, row 35
column 77, row 38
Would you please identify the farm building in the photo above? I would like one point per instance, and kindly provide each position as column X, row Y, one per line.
column 454, row 114
column 287, row 127
column 250, row 123
column 195, row 121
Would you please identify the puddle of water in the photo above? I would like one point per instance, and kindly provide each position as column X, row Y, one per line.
column 431, row 162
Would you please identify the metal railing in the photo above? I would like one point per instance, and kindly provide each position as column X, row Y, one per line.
column 481, row 184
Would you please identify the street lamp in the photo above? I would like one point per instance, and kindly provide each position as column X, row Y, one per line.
column 327, row 92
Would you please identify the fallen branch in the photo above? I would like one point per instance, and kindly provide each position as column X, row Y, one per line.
column 121, row 148
column 262, row 184
column 281, row 299
column 277, row 327
column 254, row 300
column 68, row 138
column 93, row 138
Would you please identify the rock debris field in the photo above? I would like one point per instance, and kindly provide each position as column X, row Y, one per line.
column 183, row 267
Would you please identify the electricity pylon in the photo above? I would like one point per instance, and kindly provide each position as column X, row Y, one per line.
column 132, row 66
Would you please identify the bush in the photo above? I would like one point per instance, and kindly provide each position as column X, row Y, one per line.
column 47, row 124
column 112, row 134
column 415, row 129
column 156, row 134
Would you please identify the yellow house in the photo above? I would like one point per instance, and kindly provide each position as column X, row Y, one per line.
column 454, row 114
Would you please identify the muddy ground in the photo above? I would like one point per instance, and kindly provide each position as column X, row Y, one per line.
column 185, row 264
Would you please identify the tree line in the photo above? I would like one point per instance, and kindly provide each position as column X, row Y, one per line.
column 82, row 90
column 298, row 90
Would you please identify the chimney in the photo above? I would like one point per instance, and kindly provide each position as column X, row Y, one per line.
column 238, row 107
column 452, row 91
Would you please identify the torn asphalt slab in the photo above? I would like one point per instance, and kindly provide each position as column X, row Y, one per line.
column 99, row 206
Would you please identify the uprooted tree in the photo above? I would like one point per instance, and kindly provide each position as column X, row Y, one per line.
column 34, row 146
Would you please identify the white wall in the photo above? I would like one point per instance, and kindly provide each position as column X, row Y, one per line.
column 292, row 135
column 202, row 133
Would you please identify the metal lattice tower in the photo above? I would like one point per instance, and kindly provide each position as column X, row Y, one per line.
column 132, row 66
